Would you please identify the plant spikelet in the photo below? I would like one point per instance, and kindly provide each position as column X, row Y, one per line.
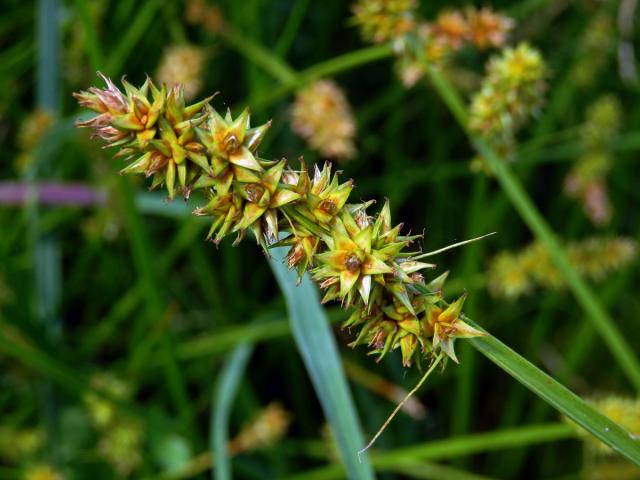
column 182, row 64
column 512, row 275
column 384, row 20
column 322, row 116
column 363, row 261
column 586, row 181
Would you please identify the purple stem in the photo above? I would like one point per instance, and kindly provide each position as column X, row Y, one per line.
column 51, row 193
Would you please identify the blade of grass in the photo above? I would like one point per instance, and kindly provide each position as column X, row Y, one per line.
column 47, row 258
column 586, row 297
column 136, row 30
column 291, row 28
column 453, row 448
column 433, row 471
column 93, row 47
column 317, row 347
column 558, row 396
column 256, row 53
column 228, row 382
column 329, row 68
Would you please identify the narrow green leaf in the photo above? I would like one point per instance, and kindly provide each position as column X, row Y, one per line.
column 455, row 447
column 558, row 396
column 224, row 394
column 319, row 352
column 138, row 26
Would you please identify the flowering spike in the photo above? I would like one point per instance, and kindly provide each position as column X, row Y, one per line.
column 358, row 259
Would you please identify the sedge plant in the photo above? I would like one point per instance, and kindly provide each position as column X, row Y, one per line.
column 363, row 261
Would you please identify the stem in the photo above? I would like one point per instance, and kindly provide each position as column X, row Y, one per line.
column 585, row 296
column 270, row 63
column 453, row 448
column 325, row 69
column 291, row 28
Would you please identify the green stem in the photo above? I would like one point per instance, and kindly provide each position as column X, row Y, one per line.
column 558, row 396
column 262, row 57
column 585, row 296
column 454, row 448
column 135, row 32
column 291, row 28
column 329, row 68
column 93, row 47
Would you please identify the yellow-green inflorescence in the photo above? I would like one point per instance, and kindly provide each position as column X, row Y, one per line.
column 512, row 92
column 361, row 260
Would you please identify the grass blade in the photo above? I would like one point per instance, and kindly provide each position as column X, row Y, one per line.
column 317, row 347
column 558, row 396
column 223, row 397
column 455, row 447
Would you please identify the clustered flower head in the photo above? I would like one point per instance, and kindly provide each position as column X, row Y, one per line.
column 182, row 64
column 587, row 179
column 205, row 14
column 153, row 128
column 322, row 116
column 384, row 20
column 483, row 28
column 513, row 274
column 358, row 259
column 511, row 93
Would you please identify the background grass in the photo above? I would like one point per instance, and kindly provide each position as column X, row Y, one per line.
column 130, row 287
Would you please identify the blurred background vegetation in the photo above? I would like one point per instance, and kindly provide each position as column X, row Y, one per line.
column 116, row 317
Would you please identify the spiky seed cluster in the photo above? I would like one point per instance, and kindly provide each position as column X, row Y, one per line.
column 449, row 33
column 182, row 64
column 153, row 128
column 587, row 179
column 322, row 116
column 512, row 275
column 203, row 13
column 488, row 28
column 483, row 28
column 384, row 20
column 511, row 93
column 360, row 260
